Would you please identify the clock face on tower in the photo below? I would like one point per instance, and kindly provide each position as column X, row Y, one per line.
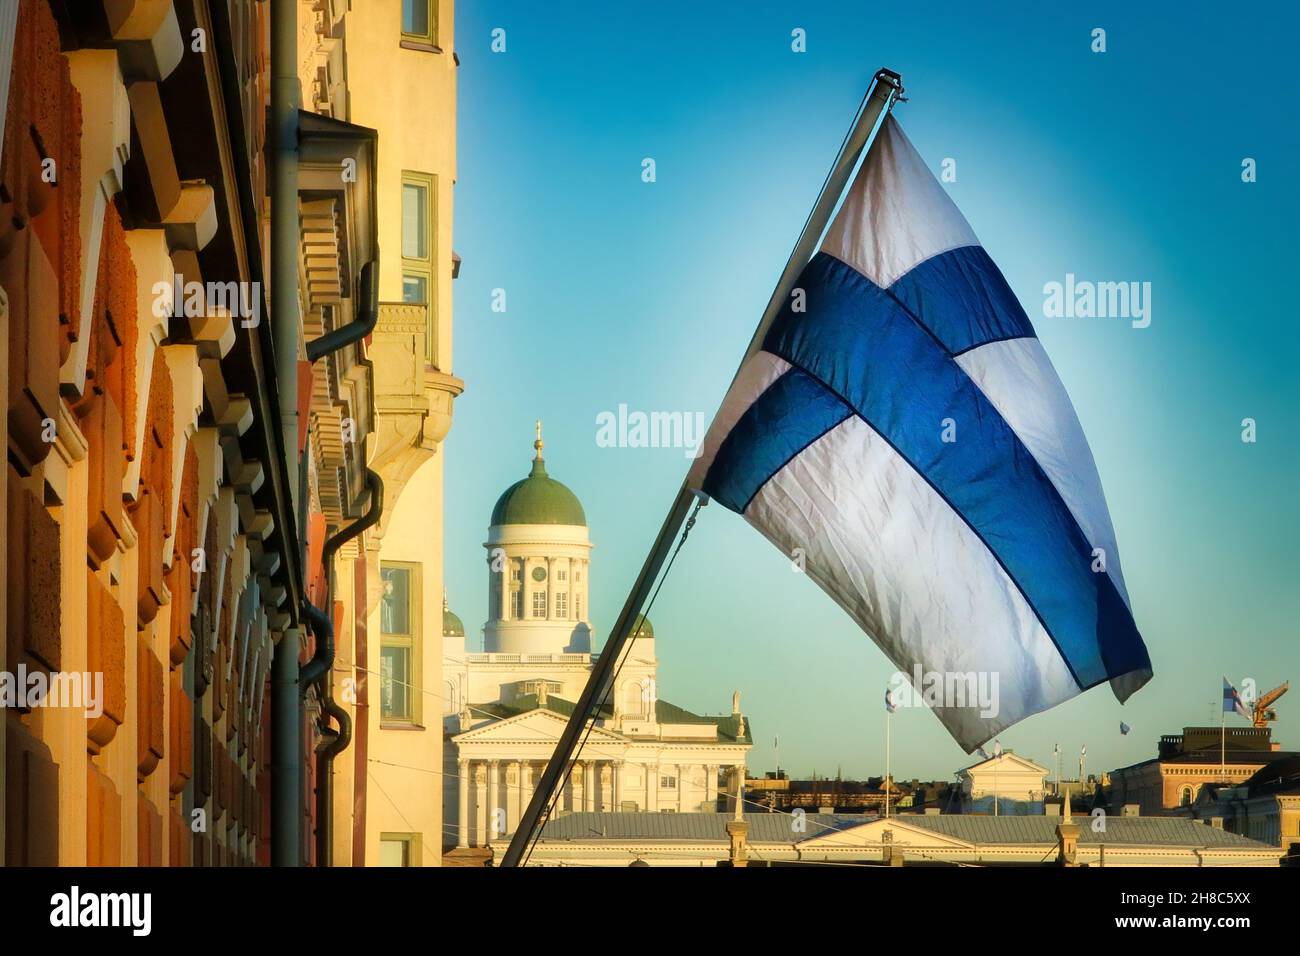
column 539, row 574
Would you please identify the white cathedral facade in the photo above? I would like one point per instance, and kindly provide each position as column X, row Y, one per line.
column 504, row 708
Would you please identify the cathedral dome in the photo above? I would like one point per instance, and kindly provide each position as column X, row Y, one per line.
column 644, row 629
column 451, row 624
column 538, row 499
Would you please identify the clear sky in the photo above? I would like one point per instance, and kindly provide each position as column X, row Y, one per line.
column 1115, row 166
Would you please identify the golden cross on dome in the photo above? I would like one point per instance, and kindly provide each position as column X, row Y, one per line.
column 538, row 444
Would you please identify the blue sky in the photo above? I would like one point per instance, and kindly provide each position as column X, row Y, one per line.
column 1122, row 166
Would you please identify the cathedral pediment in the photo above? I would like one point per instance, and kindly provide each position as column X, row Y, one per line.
column 536, row 726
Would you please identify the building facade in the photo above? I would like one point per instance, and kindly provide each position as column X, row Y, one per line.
column 390, row 66
column 1172, row 781
column 217, row 396
column 506, row 706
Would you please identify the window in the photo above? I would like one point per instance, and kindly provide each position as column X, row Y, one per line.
column 418, row 254
column 539, row 604
column 516, row 604
column 561, row 604
column 516, row 574
column 578, row 606
column 399, row 849
column 420, row 20
column 561, row 575
column 668, row 783
column 399, row 626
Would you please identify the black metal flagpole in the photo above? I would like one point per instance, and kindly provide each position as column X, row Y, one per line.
column 885, row 90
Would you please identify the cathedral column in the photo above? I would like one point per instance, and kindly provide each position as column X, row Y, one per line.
column 525, row 785
column 507, row 566
column 493, row 781
column 462, row 811
column 550, row 589
column 711, row 788
column 618, row 785
column 589, row 785
column 513, row 810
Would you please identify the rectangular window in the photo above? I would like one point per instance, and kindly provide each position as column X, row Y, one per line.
column 539, row 604
column 399, row 627
column 668, row 783
column 399, row 849
column 420, row 20
column 418, row 252
column 561, row 604
column 578, row 607
column 561, row 575
column 516, row 604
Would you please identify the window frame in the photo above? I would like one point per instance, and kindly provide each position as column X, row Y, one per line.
column 430, row 36
column 423, row 267
column 411, row 841
column 413, row 642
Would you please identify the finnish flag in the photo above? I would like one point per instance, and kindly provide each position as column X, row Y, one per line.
column 990, row 551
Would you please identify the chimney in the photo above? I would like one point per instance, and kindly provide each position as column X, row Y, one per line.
column 1131, row 810
column 1216, row 822
column 931, row 811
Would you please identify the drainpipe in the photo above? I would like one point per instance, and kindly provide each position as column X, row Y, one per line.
column 286, row 712
column 317, row 670
column 368, row 315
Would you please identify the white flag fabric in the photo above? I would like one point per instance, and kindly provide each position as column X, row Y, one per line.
column 903, row 428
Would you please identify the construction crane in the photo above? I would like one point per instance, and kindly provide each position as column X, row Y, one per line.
column 1264, row 713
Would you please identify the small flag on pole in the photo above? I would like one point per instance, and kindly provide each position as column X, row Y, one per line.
column 1056, row 749
column 890, row 706
column 997, row 748
column 1232, row 702
column 901, row 428
column 1124, row 728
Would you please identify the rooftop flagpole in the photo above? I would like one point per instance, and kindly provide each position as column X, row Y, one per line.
column 885, row 90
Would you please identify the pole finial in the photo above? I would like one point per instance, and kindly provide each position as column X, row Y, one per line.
column 537, row 445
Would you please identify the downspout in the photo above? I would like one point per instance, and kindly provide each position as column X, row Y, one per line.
column 286, row 704
column 317, row 670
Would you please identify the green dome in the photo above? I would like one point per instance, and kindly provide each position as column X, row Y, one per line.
column 538, row 499
column 451, row 625
column 644, row 629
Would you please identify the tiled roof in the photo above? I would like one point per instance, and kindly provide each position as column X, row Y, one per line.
column 982, row 830
column 692, row 827
column 1133, row 831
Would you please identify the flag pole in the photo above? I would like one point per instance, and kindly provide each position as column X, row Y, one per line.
column 885, row 89
column 889, row 723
